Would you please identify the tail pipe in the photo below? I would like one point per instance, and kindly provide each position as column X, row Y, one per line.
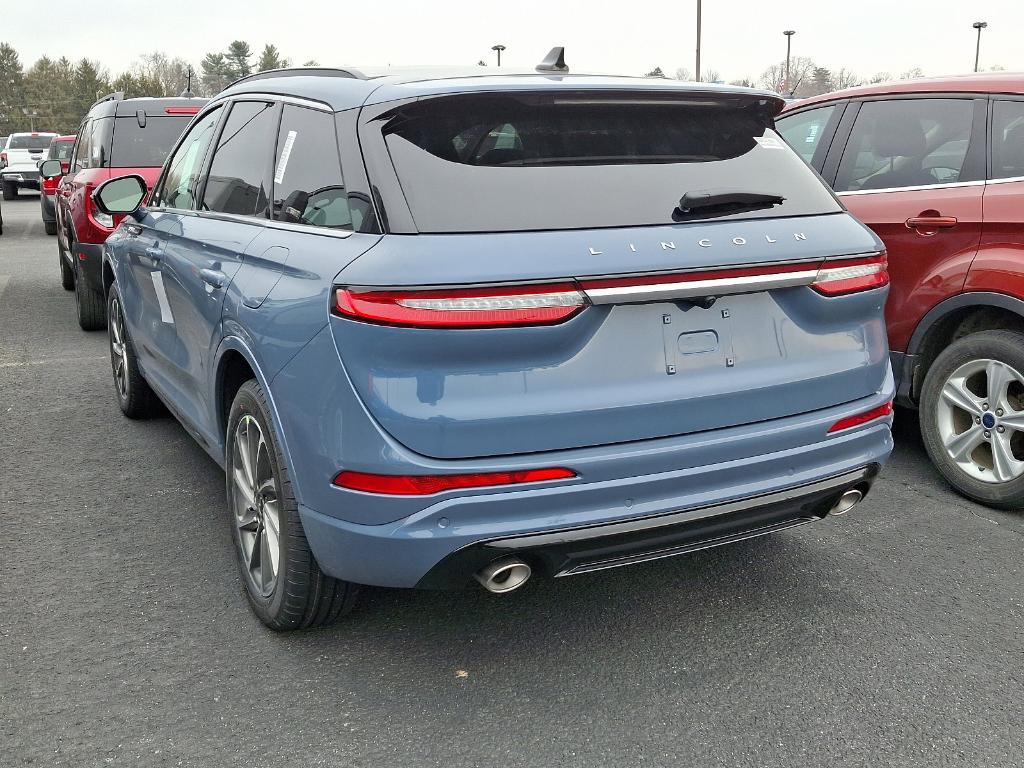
column 847, row 501
column 504, row 575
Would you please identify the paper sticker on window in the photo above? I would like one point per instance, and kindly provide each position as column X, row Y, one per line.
column 768, row 142
column 286, row 152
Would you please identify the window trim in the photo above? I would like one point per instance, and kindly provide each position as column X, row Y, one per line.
column 829, row 130
column 977, row 142
column 268, row 170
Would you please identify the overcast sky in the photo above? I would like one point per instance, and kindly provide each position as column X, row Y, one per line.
column 741, row 37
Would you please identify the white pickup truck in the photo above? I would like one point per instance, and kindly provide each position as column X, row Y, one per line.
column 19, row 160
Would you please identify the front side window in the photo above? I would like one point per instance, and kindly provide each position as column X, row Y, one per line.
column 906, row 143
column 178, row 189
column 239, row 175
column 1007, row 139
column 308, row 186
column 83, row 147
column 804, row 131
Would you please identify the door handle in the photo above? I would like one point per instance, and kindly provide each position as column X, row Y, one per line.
column 155, row 253
column 213, row 277
column 931, row 222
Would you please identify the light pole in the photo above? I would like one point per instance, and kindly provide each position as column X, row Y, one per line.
column 698, row 41
column 789, row 40
column 978, row 25
column 499, row 48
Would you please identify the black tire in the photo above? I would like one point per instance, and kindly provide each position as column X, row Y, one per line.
column 10, row 191
column 67, row 276
column 1003, row 346
column 134, row 395
column 301, row 595
column 92, row 310
column 50, row 227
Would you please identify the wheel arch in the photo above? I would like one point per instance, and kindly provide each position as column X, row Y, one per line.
column 234, row 364
column 952, row 319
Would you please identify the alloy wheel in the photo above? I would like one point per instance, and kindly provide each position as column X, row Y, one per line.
column 118, row 360
column 980, row 418
column 257, row 506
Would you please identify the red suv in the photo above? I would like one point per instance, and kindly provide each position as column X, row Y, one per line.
column 936, row 168
column 118, row 137
column 60, row 149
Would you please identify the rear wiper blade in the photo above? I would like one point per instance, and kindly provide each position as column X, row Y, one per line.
column 726, row 200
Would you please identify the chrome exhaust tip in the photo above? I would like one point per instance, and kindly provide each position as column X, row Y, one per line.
column 847, row 501
column 504, row 575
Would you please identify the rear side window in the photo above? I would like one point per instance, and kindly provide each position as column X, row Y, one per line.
column 574, row 160
column 308, row 186
column 181, row 179
column 1007, row 139
column 804, row 131
column 146, row 146
column 906, row 143
column 240, row 173
column 30, row 142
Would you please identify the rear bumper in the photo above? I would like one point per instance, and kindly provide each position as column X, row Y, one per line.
column 595, row 548
column 21, row 178
column 571, row 528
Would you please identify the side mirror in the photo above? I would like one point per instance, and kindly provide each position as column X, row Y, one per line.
column 50, row 169
column 121, row 196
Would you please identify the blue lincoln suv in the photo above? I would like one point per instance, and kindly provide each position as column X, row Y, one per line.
column 445, row 326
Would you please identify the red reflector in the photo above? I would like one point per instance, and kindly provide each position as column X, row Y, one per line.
column 862, row 418
column 836, row 278
column 425, row 485
column 181, row 110
column 463, row 308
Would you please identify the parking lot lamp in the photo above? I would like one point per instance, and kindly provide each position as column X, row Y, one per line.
column 499, row 48
column 978, row 25
column 789, row 40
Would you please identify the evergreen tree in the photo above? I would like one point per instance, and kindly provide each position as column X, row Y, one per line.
column 216, row 73
column 238, row 58
column 89, row 82
column 12, row 87
column 270, row 58
column 656, row 72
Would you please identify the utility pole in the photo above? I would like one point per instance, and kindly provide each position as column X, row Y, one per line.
column 698, row 41
column 789, row 40
column 978, row 25
column 499, row 48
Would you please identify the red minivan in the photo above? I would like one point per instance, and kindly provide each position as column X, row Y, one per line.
column 936, row 168
column 118, row 137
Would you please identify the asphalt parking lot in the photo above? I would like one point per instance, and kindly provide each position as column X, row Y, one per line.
column 891, row 636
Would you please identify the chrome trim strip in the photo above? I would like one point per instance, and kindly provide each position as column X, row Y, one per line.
column 688, row 288
column 260, row 96
column 268, row 223
column 1008, row 180
column 954, row 185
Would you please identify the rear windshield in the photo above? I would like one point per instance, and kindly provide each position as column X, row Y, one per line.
column 30, row 142
column 135, row 147
column 575, row 160
column 61, row 150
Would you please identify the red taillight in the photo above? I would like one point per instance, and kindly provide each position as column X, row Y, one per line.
column 463, row 308
column 862, row 418
column 181, row 110
column 839, row 277
column 425, row 485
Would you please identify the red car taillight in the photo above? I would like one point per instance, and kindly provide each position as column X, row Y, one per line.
column 426, row 485
column 862, row 418
column 464, row 307
column 843, row 276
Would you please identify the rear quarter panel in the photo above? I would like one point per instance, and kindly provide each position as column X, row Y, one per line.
column 999, row 265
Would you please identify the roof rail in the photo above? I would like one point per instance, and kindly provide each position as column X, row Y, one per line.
column 288, row 71
column 115, row 96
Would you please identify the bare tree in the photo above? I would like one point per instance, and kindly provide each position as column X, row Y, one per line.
column 912, row 73
column 744, row 82
column 169, row 74
column 800, row 69
column 880, row 77
column 844, row 78
column 683, row 74
column 711, row 76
